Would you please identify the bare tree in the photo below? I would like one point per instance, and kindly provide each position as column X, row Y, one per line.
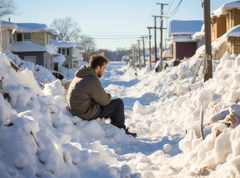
column 67, row 29
column 7, row 7
column 89, row 45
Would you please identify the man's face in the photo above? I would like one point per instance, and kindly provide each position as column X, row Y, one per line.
column 101, row 70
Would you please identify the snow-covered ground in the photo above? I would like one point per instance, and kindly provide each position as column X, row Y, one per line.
column 40, row 138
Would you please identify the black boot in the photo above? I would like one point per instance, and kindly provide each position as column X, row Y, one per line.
column 130, row 133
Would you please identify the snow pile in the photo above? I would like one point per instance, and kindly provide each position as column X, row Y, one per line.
column 56, row 144
column 178, row 112
column 163, row 108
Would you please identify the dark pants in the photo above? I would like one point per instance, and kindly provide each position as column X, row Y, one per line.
column 115, row 111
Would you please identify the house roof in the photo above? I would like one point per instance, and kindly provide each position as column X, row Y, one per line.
column 66, row 44
column 182, row 38
column 166, row 53
column 187, row 27
column 5, row 24
column 28, row 27
column 27, row 46
column 225, row 7
column 234, row 32
column 34, row 27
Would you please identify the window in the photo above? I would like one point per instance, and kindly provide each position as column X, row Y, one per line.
column 30, row 59
column 229, row 20
column 68, row 51
column 27, row 36
column 59, row 50
column 10, row 37
column 63, row 51
column 49, row 40
column 19, row 37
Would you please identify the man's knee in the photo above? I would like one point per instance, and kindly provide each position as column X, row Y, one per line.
column 119, row 101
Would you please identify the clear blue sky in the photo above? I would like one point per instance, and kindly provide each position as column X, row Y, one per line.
column 112, row 23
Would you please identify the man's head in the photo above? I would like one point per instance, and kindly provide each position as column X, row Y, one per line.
column 98, row 63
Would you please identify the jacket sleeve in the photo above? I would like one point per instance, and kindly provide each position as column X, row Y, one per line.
column 99, row 94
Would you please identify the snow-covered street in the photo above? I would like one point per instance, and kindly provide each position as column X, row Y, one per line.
column 40, row 138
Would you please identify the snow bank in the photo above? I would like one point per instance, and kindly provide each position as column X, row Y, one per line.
column 41, row 129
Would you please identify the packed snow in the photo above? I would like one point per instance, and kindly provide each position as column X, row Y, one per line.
column 40, row 138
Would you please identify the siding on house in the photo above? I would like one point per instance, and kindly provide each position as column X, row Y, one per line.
column 39, row 56
column 236, row 17
column 181, row 51
column 38, row 38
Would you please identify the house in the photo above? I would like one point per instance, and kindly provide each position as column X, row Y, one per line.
column 72, row 51
column 223, row 20
column 182, row 45
column 30, row 41
column 7, row 30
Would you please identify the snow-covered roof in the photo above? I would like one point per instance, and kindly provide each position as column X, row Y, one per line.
column 28, row 27
column 28, row 46
column 182, row 38
column 234, row 32
column 225, row 7
column 198, row 35
column 167, row 53
column 66, row 44
column 34, row 27
column 10, row 25
column 59, row 58
column 180, row 27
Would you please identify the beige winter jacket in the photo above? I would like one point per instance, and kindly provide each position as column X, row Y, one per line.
column 86, row 94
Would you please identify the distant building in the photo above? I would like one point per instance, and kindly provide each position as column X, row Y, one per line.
column 30, row 41
column 72, row 51
column 182, row 45
column 225, row 21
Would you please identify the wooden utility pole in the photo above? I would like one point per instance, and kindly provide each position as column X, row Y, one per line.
column 139, row 55
column 155, row 37
column 144, row 51
column 133, row 56
column 150, row 54
column 149, row 28
column 161, row 21
column 208, row 47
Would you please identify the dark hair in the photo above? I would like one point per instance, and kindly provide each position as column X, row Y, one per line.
column 97, row 60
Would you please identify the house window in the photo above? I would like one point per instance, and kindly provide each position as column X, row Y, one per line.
column 68, row 51
column 63, row 51
column 10, row 37
column 59, row 50
column 49, row 40
column 229, row 20
column 27, row 36
column 30, row 59
column 19, row 37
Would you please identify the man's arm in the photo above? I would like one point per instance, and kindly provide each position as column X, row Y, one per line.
column 99, row 94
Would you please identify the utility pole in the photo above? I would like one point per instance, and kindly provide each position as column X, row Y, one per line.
column 144, row 51
column 150, row 44
column 208, row 47
column 150, row 60
column 161, row 21
column 139, row 55
column 133, row 56
column 155, row 37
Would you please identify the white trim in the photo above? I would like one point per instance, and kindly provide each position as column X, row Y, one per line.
column 229, row 20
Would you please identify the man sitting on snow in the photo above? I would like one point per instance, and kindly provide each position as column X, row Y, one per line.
column 87, row 99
